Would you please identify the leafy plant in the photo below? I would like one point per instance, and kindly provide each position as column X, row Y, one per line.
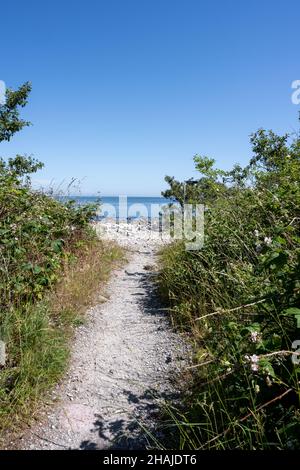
column 238, row 297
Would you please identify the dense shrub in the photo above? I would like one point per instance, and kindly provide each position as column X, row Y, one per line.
column 240, row 296
column 37, row 232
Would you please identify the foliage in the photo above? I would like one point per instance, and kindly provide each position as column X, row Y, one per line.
column 192, row 191
column 10, row 123
column 239, row 296
column 37, row 233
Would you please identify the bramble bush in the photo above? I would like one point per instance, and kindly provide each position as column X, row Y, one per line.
column 36, row 230
column 239, row 296
column 37, row 233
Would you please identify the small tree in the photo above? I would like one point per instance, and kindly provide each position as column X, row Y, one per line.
column 10, row 123
column 202, row 190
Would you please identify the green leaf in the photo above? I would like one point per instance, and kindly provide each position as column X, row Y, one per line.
column 267, row 367
column 57, row 245
column 292, row 311
column 37, row 269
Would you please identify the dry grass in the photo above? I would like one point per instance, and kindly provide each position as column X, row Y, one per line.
column 83, row 280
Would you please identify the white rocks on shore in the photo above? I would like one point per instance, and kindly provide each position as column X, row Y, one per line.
column 135, row 234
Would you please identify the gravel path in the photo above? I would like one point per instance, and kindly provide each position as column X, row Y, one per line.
column 125, row 363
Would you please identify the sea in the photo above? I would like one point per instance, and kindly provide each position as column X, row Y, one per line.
column 125, row 207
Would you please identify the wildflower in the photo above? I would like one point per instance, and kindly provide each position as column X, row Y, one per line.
column 256, row 233
column 254, row 358
column 254, row 337
column 257, row 388
column 253, row 361
column 268, row 240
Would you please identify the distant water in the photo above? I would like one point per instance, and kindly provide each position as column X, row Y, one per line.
column 131, row 207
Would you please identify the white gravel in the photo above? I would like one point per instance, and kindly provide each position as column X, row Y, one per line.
column 126, row 362
column 138, row 234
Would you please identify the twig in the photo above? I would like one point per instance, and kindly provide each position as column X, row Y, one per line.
column 48, row 440
column 293, row 220
column 267, row 404
column 201, row 364
column 280, row 353
column 231, row 310
column 244, row 418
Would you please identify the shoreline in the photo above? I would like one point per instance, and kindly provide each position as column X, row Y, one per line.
column 135, row 233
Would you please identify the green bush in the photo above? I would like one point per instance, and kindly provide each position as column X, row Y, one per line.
column 239, row 296
column 37, row 233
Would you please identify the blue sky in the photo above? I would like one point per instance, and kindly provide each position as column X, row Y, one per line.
column 127, row 91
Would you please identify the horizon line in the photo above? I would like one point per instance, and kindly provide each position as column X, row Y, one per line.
column 114, row 195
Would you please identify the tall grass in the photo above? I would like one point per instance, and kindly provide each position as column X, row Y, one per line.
column 238, row 297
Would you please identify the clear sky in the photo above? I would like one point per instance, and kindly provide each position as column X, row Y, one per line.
column 127, row 91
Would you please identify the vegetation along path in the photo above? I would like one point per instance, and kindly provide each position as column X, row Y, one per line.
column 125, row 362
